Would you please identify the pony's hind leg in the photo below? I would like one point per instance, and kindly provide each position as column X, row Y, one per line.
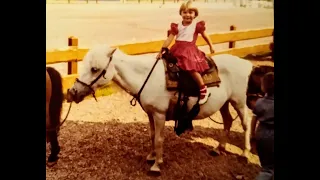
column 152, row 155
column 55, row 148
column 242, row 111
column 227, row 122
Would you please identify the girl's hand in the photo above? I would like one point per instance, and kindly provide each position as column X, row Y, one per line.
column 159, row 55
column 211, row 50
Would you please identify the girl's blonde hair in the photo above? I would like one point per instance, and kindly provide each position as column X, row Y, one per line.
column 188, row 6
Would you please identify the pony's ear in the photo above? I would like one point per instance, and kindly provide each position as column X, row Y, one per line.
column 111, row 52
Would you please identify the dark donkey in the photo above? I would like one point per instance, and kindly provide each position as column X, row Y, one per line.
column 54, row 100
column 254, row 91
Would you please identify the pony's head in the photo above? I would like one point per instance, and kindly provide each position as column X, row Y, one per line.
column 97, row 71
column 254, row 91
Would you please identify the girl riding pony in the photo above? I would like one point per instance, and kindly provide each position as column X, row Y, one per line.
column 189, row 57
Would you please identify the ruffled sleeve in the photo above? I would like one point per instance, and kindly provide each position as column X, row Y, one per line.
column 173, row 29
column 200, row 27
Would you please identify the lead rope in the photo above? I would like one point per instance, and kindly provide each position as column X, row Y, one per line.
column 66, row 114
column 260, row 96
column 220, row 122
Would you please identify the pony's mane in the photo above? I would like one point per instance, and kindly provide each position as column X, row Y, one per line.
column 95, row 54
column 145, row 58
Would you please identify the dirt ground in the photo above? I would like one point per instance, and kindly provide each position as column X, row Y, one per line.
column 109, row 139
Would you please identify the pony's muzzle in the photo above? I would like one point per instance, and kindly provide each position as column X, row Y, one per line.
column 74, row 95
column 70, row 95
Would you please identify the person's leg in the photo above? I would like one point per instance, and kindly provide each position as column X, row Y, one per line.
column 204, row 94
column 198, row 78
column 265, row 149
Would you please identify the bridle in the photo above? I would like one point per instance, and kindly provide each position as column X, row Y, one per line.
column 102, row 74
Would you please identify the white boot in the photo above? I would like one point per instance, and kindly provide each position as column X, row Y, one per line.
column 204, row 94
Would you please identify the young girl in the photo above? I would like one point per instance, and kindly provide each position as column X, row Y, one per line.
column 190, row 58
column 264, row 113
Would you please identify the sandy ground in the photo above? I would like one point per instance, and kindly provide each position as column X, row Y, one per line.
column 110, row 139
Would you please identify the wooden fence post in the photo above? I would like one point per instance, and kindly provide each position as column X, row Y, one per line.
column 73, row 65
column 232, row 44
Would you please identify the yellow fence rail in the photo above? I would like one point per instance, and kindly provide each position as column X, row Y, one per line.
column 74, row 54
column 121, row 1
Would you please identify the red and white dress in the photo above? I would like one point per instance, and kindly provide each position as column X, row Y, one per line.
column 190, row 58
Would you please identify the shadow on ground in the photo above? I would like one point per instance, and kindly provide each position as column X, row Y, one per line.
column 235, row 138
column 114, row 150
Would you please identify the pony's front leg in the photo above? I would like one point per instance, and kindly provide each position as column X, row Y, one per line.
column 159, row 122
column 247, row 128
column 246, row 124
column 152, row 155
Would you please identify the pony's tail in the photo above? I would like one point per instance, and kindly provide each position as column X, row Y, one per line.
column 56, row 97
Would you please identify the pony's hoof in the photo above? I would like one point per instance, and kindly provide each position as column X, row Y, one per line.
column 52, row 160
column 154, row 170
column 51, row 164
column 150, row 161
column 154, row 173
column 245, row 153
column 151, row 158
column 215, row 152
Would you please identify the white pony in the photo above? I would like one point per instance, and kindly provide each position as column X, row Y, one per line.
column 103, row 64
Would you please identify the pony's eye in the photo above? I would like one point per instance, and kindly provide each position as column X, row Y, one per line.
column 94, row 70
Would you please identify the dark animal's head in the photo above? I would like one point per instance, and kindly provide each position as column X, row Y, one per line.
column 254, row 91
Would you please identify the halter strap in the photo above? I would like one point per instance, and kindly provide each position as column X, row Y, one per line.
column 103, row 72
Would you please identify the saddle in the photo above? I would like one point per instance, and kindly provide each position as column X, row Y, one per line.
column 181, row 81
column 174, row 75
